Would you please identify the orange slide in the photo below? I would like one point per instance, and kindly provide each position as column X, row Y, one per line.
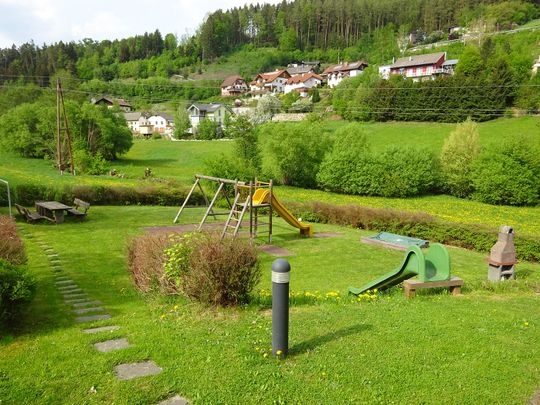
column 262, row 196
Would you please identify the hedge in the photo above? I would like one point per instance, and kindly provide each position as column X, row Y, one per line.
column 419, row 225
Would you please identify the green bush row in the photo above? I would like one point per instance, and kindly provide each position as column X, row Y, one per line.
column 417, row 225
column 159, row 194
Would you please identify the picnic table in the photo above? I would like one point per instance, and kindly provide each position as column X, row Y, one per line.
column 52, row 209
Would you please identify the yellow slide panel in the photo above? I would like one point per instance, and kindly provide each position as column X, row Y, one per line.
column 262, row 196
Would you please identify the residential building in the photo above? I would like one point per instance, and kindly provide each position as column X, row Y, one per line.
column 384, row 71
column 273, row 82
column 336, row 73
column 233, row 86
column 138, row 122
column 302, row 83
column 421, row 67
column 110, row 102
column 214, row 111
column 297, row 69
column 162, row 123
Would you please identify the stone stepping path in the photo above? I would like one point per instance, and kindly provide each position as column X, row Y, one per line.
column 71, row 301
column 111, row 345
column 101, row 329
column 78, row 295
column 129, row 371
column 85, row 303
column 71, row 290
column 87, row 310
column 176, row 400
column 66, row 281
column 92, row 318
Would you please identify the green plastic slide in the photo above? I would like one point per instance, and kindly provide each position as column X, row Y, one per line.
column 435, row 266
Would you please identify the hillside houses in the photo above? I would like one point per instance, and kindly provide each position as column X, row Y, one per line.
column 302, row 83
column 110, row 102
column 420, row 67
column 336, row 73
column 270, row 82
column 143, row 123
column 234, row 86
column 214, row 111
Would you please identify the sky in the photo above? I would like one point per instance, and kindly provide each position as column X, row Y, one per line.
column 49, row 21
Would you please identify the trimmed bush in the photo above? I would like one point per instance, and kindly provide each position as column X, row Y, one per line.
column 508, row 174
column 11, row 245
column 17, row 290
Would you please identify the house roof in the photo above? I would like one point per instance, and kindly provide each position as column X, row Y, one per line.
column 345, row 67
column 132, row 116
column 229, row 81
column 417, row 60
column 303, row 78
column 299, row 70
column 269, row 77
column 109, row 100
column 451, row 62
column 210, row 108
column 168, row 117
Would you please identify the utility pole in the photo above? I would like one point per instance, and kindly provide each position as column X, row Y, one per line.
column 59, row 112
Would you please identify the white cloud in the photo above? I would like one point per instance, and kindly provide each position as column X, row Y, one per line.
column 48, row 21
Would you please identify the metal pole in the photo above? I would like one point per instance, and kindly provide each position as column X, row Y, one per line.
column 281, row 274
column 8, row 196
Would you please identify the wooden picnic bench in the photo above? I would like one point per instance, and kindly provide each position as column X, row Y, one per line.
column 31, row 217
column 80, row 208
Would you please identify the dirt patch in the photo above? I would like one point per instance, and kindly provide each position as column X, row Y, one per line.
column 276, row 251
column 327, row 234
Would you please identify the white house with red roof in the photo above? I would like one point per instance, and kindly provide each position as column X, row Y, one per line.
column 273, row 82
column 420, row 67
column 302, row 83
column 336, row 73
column 233, row 86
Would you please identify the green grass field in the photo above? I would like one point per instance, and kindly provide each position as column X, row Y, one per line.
column 480, row 348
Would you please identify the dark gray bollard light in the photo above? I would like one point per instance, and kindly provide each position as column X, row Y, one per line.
column 281, row 274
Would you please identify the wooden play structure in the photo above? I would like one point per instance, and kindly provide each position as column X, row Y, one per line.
column 248, row 199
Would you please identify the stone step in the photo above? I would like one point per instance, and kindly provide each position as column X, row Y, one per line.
column 101, row 329
column 129, row 371
column 85, row 303
column 86, row 310
column 91, row 318
column 111, row 345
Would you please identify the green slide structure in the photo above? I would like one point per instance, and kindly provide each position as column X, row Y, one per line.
column 434, row 266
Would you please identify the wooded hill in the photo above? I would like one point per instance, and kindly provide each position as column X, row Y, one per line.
column 302, row 28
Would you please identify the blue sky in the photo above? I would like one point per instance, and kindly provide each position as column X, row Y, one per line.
column 48, row 21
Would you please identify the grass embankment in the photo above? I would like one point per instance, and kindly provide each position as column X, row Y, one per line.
column 482, row 347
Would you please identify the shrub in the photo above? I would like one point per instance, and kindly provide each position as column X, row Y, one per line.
column 508, row 174
column 221, row 272
column 459, row 151
column 344, row 168
column 17, row 290
column 291, row 154
column 146, row 261
column 88, row 164
column 11, row 245
column 207, row 129
column 404, row 172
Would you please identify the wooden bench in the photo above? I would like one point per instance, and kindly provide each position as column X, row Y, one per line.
column 410, row 286
column 80, row 209
column 31, row 217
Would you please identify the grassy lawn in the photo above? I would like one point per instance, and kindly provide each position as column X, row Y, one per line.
column 480, row 348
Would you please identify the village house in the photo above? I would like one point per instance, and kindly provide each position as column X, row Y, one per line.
column 233, row 86
column 298, row 69
column 138, row 123
column 110, row 102
column 336, row 73
column 302, row 83
column 273, row 82
column 214, row 111
column 162, row 123
column 421, row 67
